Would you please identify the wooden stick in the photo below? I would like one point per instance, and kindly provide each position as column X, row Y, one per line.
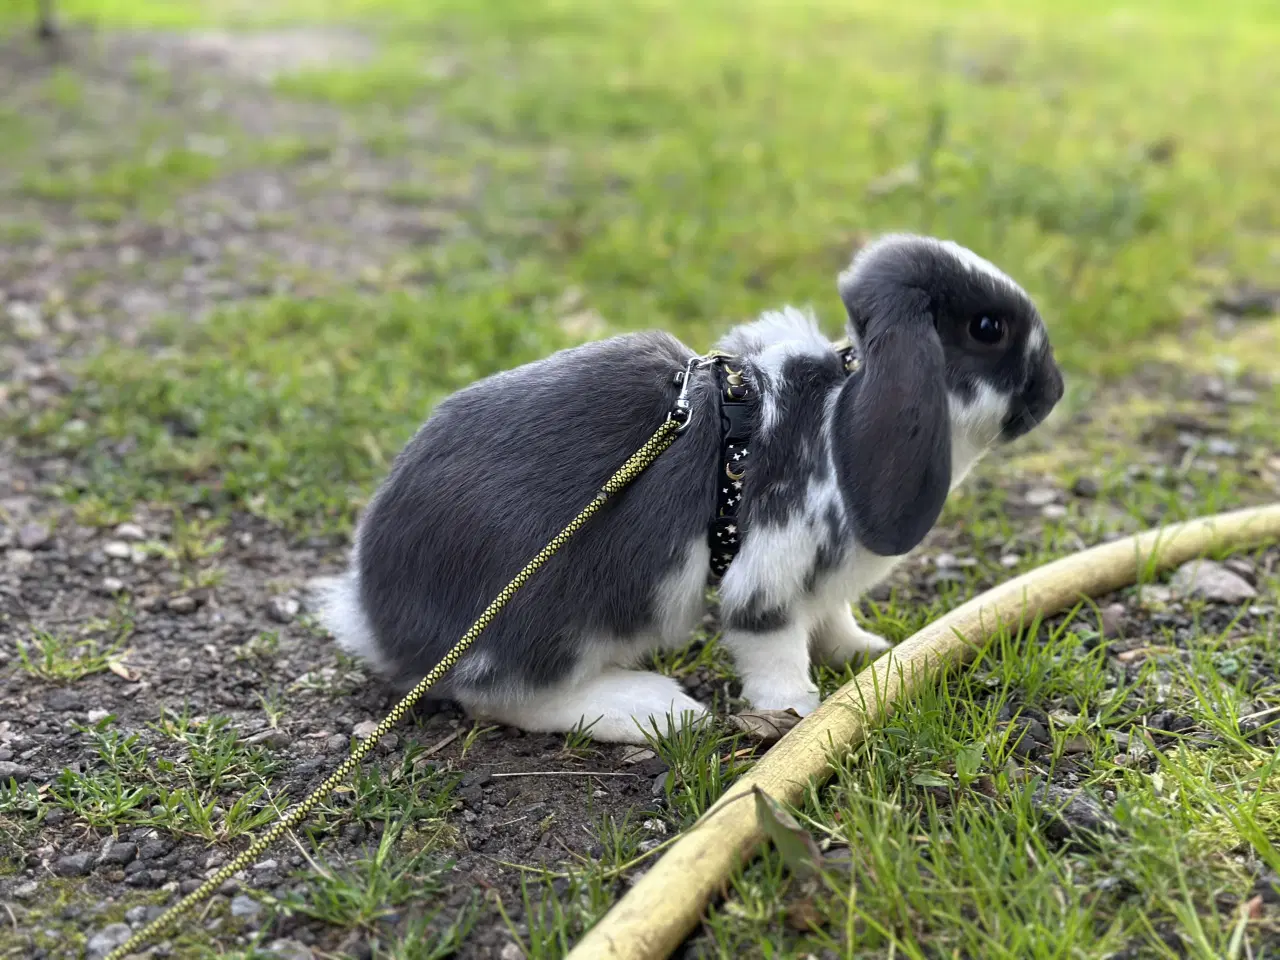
column 666, row 904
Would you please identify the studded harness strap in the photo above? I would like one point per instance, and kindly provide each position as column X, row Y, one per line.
column 738, row 398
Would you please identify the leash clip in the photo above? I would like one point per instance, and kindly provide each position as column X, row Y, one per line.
column 682, row 409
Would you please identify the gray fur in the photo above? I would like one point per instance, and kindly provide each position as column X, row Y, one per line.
column 500, row 468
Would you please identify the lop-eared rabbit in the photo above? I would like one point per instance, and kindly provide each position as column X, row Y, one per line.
column 848, row 471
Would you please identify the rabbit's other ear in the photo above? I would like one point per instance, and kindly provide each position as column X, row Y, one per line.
column 892, row 432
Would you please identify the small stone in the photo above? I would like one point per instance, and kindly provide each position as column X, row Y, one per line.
column 1086, row 487
column 1154, row 595
column 1040, row 496
column 245, row 906
column 511, row 951
column 283, row 609
column 21, row 559
column 97, row 715
column 25, row 890
column 1053, row 511
column 1036, row 731
column 1211, row 581
column 181, row 604
column 1268, row 888
column 130, row 531
column 111, row 586
column 365, row 729
column 27, row 323
column 336, row 742
column 290, row 950
column 1243, row 567
column 1219, row 447
column 633, row 755
column 1010, row 560
column 74, row 865
column 33, row 536
column 117, row 549
column 107, row 939
column 120, row 854
column 271, row 737
column 651, row 767
column 13, row 771
column 153, row 850
column 1113, row 618
column 267, row 865
column 64, row 701
column 1070, row 815
column 136, row 916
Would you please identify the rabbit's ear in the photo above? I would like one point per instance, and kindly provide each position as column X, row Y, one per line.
column 892, row 430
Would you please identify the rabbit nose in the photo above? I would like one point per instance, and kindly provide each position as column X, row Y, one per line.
column 1044, row 389
column 1055, row 386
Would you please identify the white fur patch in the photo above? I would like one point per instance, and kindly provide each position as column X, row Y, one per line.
column 680, row 598
column 772, row 340
column 615, row 703
column 343, row 615
column 975, row 426
column 972, row 261
column 775, row 559
column 1036, row 341
column 789, row 325
column 775, row 668
column 850, row 276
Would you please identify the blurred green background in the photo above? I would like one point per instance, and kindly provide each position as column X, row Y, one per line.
column 578, row 168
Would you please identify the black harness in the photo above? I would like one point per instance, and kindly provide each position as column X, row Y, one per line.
column 738, row 401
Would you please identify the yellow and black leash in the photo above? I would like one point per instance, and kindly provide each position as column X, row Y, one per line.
column 638, row 462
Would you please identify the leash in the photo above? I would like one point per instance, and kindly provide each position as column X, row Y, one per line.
column 677, row 419
column 735, row 394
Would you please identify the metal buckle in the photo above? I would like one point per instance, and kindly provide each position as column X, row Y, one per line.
column 681, row 410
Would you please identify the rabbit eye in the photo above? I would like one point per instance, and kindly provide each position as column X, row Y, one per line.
column 987, row 330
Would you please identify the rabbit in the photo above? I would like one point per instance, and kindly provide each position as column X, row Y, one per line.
column 848, row 473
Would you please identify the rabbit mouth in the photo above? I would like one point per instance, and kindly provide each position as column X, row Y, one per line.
column 1020, row 422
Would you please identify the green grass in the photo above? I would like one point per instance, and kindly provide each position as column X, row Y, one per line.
column 284, row 408
column 730, row 163
column 61, row 658
column 947, row 852
column 225, row 787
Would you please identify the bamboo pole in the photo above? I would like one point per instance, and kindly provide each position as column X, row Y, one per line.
column 666, row 904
